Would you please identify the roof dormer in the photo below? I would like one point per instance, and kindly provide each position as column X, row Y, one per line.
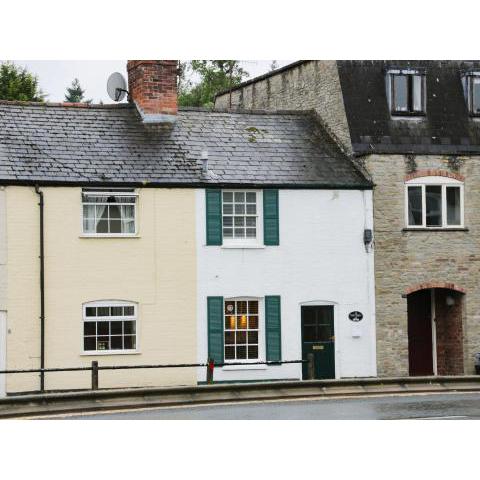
column 406, row 92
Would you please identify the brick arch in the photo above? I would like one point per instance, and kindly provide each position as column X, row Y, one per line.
column 428, row 285
column 434, row 172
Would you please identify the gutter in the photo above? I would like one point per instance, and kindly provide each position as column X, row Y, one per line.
column 42, row 290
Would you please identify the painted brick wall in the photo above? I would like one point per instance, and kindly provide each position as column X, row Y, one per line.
column 406, row 258
column 310, row 85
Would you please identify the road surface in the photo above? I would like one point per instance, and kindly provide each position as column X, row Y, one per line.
column 431, row 406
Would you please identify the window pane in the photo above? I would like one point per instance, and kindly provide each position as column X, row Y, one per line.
column 239, row 209
column 103, row 311
column 241, row 307
column 239, row 196
column 114, row 211
column 228, row 232
column 103, row 343
column 103, row 328
column 251, row 197
column 251, row 232
column 228, row 196
column 239, row 232
column 128, row 226
column 252, row 352
column 91, row 311
column 251, row 209
column 116, row 342
column 417, row 93
column 229, row 338
column 241, row 353
column 90, row 328
column 242, row 322
column 89, row 343
column 229, row 307
column 227, row 221
column 129, row 342
column 115, row 226
column 129, row 311
column 415, row 205
column 253, row 323
column 116, row 328
column 241, row 338
column 253, row 307
column 116, row 311
column 252, row 337
column 453, row 206
column 102, row 226
column 434, row 205
column 230, row 322
column 229, row 353
column 239, row 221
column 129, row 327
column 400, row 93
column 476, row 95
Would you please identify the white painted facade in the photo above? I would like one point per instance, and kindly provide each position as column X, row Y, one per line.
column 3, row 289
column 321, row 260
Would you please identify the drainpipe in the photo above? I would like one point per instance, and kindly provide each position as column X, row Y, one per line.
column 42, row 292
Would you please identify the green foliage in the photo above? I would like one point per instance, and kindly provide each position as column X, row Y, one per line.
column 16, row 83
column 215, row 76
column 75, row 93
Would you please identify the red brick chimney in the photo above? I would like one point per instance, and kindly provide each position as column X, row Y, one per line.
column 152, row 85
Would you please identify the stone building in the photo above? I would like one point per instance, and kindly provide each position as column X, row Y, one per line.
column 413, row 126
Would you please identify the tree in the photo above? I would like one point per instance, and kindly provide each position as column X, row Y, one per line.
column 215, row 76
column 16, row 83
column 75, row 93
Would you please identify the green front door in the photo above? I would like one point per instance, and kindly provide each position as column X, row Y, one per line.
column 318, row 337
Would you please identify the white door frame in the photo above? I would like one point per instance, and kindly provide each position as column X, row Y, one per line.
column 434, row 330
column 3, row 350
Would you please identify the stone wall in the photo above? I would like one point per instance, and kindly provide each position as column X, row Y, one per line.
column 405, row 258
column 309, row 85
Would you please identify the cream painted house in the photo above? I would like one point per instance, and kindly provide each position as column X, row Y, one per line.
column 130, row 204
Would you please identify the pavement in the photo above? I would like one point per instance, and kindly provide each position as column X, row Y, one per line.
column 439, row 406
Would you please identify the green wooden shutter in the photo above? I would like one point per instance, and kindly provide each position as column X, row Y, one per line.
column 271, row 234
column 215, row 328
column 214, row 216
column 273, row 328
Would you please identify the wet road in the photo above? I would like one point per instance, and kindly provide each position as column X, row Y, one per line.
column 437, row 406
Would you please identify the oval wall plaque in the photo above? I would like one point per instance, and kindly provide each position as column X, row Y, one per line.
column 355, row 316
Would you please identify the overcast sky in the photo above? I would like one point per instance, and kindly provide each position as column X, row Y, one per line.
column 55, row 76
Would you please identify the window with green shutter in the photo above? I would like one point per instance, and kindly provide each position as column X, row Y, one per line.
column 215, row 328
column 214, row 216
column 273, row 332
column 271, row 235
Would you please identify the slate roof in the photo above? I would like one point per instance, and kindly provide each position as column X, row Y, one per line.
column 54, row 143
column 447, row 127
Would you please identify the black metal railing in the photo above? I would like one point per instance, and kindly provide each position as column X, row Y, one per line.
column 95, row 368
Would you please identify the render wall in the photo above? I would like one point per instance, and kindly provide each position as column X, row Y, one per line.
column 321, row 259
column 156, row 269
column 311, row 85
column 405, row 258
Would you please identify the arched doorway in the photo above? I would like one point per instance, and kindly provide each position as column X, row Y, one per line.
column 435, row 330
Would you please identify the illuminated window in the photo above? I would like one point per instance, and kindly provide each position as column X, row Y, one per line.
column 109, row 327
column 241, row 330
column 109, row 212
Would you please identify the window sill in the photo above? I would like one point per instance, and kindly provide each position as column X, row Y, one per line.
column 110, row 352
column 435, row 229
column 100, row 235
column 244, row 367
column 409, row 114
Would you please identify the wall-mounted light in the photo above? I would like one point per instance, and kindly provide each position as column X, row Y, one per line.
column 450, row 301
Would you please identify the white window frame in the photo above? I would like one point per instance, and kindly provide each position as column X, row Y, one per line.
column 261, row 331
column 443, row 182
column 105, row 193
column 110, row 303
column 246, row 242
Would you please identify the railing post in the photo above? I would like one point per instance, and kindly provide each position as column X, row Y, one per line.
column 310, row 366
column 210, row 367
column 94, row 375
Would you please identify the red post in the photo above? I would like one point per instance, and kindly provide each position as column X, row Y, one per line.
column 210, row 367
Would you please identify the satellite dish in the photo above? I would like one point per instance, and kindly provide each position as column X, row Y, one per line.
column 116, row 87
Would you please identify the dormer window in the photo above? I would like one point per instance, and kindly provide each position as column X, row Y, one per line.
column 471, row 85
column 407, row 92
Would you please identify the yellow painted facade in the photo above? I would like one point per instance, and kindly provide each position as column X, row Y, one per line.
column 156, row 269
